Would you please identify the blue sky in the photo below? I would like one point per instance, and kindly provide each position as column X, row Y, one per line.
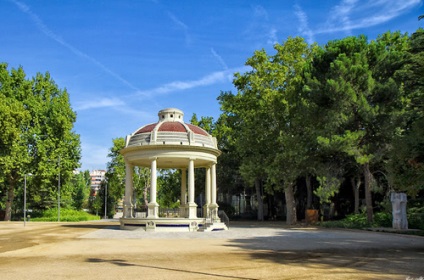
column 123, row 61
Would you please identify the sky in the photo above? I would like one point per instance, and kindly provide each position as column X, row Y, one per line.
column 123, row 61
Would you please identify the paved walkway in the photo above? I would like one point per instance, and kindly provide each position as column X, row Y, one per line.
column 274, row 236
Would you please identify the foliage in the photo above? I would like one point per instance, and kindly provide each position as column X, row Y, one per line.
column 406, row 164
column 227, row 208
column 169, row 188
column 359, row 221
column 66, row 215
column 265, row 125
column 416, row 218
column 328, row 187
column 36, row 137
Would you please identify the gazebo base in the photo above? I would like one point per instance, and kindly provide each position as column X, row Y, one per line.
column 170, row 224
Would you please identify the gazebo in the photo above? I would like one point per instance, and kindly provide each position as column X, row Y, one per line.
column 171, row 143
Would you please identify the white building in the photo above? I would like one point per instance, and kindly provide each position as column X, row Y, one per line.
column 97, row 176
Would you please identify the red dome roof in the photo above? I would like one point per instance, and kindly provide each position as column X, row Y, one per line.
column 171, row 130
column 171, row 127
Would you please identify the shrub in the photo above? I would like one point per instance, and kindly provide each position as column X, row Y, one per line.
column 66, row 215
column 227, row 208
column 416, row 218
column 359, row 221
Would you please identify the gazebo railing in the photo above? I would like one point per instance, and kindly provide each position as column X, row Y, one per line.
column 224, row 218
column 169, row 212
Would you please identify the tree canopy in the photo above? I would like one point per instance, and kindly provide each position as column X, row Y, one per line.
column 36, row 137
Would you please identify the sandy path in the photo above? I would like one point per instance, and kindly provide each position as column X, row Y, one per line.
column 97, row 250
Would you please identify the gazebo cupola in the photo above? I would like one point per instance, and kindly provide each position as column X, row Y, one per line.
column 171, row 143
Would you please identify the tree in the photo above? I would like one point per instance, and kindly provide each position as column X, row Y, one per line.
column 14, row 119
column 267, row 133
column 406, row 162
column 357, row 101
column 37, row 136
column 80, row 190
column 115, row 174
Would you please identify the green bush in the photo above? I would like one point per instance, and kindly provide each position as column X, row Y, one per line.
column 359, row 221
column 66, row 215
column 416, row 218
column 227, row 208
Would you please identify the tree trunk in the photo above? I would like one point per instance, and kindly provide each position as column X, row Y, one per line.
column 260, row 201
column 145, row 189
column 368, row 198
column 10, row 198
column 308, row 192
column 291, row 217
column 356, row 184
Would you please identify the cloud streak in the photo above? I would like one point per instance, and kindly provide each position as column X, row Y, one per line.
column 49, row 33
column 99, row 103
column 352, row 14
column 260, row 27
column 213, row 78
column 219, row 58
column 303, row 27
column 181, row 25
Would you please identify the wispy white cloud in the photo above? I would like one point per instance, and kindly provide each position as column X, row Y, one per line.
column 213, row 78
column 303, row 27
column 272, row 36
column 219, row 58
column 352, row 14
column 260, row 12
column 260, row 27
column 49, row 33
column 97, row 103
column 181, row 25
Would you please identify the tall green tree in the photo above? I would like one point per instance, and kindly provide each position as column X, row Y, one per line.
column 356, row 99
column 39, row 137
column 14, row 120
column 115, row 174
column 268, row 133
column 406, row 162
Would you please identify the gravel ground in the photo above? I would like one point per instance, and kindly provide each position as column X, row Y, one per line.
column 249, row 250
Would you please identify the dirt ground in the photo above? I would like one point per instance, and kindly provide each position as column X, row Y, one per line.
column 99, row 250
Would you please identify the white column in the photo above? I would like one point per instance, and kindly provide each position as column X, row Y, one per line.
column 207, row 193
column 153, row 181
column 153, row 207
column 128, row 206
column 192, row 206
column 183, row 187
column 183, row 204
column 213, row 182
column 213, row 205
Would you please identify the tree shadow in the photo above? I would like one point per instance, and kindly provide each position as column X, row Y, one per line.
column 325, row 249
column 120, row 262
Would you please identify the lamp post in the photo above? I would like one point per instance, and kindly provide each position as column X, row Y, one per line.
column 25, row 207
column 58, row 194
column 105, row 199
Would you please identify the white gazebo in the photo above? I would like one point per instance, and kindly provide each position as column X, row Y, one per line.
column 171, row 143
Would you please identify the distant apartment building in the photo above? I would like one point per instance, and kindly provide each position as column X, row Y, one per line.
column 97, row 176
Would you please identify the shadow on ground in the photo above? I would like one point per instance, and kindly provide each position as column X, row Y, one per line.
column 125, row 263
column 325, row 249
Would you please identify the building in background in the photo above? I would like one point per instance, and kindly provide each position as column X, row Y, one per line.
column 97, row 176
